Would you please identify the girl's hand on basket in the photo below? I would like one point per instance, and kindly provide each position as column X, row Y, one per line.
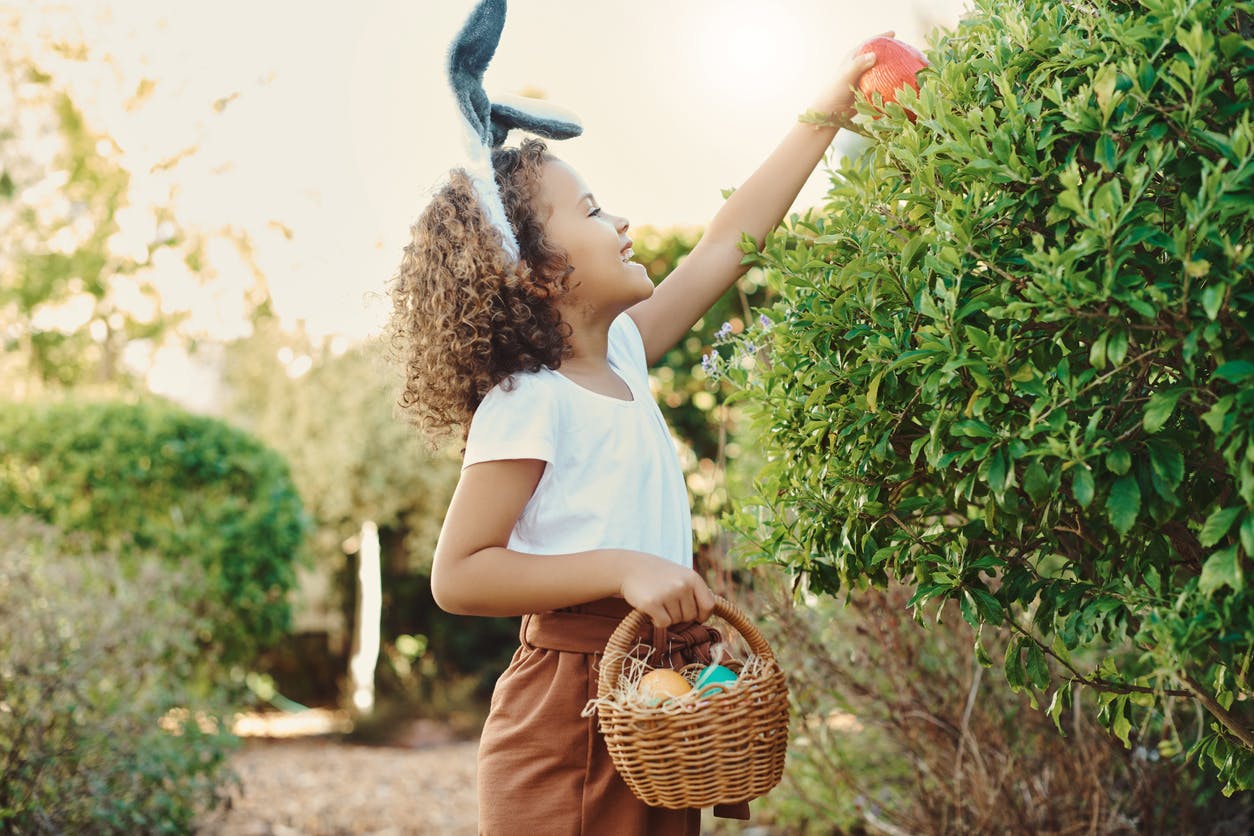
column 666, row 592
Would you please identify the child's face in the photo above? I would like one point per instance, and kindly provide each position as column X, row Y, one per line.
column 604, row 281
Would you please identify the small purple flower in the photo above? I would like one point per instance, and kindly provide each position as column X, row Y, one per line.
column 751, row 347
column 764, row 321
column 724, row 331
column 709, row 362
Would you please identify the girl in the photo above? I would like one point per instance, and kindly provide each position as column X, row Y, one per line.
column 571, row 508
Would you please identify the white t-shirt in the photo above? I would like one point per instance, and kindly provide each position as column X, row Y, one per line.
column 612, row 477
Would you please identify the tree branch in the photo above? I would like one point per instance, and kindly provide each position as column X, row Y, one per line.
column 1097, row 683
column 1223, row 715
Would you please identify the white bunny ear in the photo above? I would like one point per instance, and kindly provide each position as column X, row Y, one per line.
column 479, row 169
column 485, row 123
column 538, row 109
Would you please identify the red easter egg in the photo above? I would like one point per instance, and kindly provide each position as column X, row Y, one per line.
column 896, row 65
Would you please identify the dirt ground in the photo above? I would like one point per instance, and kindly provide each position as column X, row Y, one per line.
column 322, row 787
column 299, row 773
column 309, row 782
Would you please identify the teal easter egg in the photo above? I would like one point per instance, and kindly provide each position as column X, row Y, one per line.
column 714, row 675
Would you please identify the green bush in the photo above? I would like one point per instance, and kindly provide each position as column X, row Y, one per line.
column 903, row 731
column 98, row 730
column 1011, row 365
column 153, row 478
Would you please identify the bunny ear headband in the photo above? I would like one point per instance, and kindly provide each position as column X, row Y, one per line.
column 485, row 122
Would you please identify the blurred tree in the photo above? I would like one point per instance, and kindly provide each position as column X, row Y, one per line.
column 62, row 202
column 328, row 409
column 91, row 264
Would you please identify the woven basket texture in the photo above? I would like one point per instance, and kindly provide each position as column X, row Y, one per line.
column 723, row 748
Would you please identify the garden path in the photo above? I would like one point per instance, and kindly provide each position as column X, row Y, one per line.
column 323, row 786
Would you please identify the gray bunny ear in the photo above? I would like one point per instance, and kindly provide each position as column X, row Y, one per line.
column 468, row 58
column 532, row 115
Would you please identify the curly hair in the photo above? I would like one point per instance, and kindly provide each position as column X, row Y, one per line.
column 464, row 318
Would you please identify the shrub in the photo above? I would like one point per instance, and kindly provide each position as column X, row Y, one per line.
column 152, row 478
column 96, row 723
column 899, row 729
column 1011, row 365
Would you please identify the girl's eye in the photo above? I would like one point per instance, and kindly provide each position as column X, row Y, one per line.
column 595, row 212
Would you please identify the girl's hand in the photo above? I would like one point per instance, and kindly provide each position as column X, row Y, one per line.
column 666, row 592
column 838, row 102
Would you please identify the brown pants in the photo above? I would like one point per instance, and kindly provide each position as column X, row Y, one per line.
column 544, row 769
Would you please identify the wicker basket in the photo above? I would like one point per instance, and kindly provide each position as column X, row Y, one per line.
column 727, row 749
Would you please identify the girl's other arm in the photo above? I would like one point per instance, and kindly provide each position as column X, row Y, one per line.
column 755, row 208
column 475, row 573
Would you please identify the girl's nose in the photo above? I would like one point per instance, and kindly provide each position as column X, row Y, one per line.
column 623, row 223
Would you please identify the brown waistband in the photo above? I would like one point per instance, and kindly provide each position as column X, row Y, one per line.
column 587, row 627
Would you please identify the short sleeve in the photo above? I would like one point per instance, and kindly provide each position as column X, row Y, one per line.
column 518, row 423
column 627, row 346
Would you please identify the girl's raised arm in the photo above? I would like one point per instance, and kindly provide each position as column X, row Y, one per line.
column 755, row 208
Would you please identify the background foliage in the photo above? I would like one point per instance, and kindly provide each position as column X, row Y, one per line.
column 100, row 731
column 696, row 407
column 898, row 729
column 149, row 477
column 329, row 410
column 1011, row 362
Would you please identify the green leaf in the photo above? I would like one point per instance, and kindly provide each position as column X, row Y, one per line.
column 1119, row 461
column 1120, row 725
column 1221, row 569
column 988, row 606
column 1199, row 268
column 981, row 655
column 1217, row 525
column 911, row 252
column 1097, row 353
column 1082, row 484
column 1036, row 482
column 1212, row 300
column 1167, row 462
column 873, row 391
column 1037, row 669
column 1060, row 702
column 1235, row 370
column 1247, row 535
column 1024, row 373
column 1117, row 347
column 1216, row 416
column 1161, row 405
column 974, row 429
column 997, row 470
column 1106, row 153
column 1104, row 87
column 1124, row 503
column 1013, row 666
column 967, row 606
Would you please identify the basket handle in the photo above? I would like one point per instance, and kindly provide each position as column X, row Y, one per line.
column 624, row 635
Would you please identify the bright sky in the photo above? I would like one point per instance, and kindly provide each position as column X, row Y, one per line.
column 344, row 124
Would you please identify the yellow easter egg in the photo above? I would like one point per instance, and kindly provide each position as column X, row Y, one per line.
column 663, row 684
